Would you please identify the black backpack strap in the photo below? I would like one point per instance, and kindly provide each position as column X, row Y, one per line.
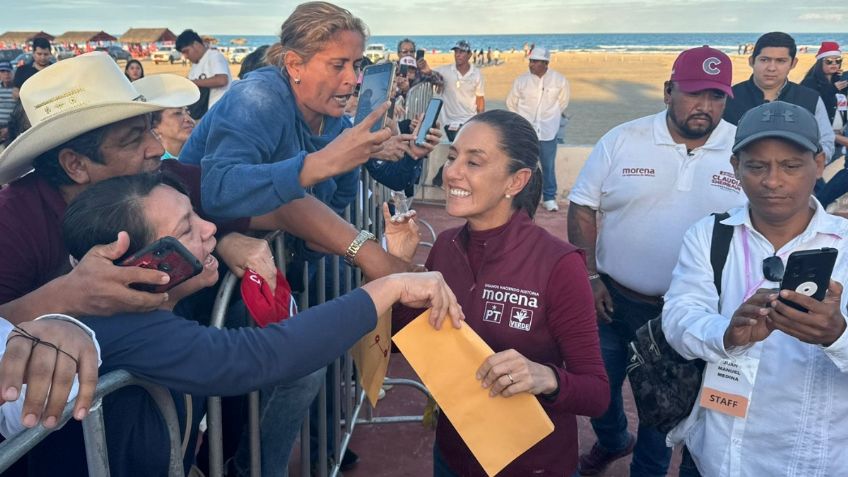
column 719, row 247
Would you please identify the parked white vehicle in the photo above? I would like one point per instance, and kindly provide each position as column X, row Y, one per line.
column 166, row 54
column 238, row 53
column 377, row 52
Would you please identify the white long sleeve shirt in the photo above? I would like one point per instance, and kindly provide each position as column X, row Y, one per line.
column 540, row 101
column 797, row 422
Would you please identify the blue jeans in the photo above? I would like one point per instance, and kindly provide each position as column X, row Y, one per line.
column 547, row 157
column 651, row 456
column 281, row 412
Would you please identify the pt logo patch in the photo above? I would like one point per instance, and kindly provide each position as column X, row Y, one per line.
column 520, row 318
column 493, row 312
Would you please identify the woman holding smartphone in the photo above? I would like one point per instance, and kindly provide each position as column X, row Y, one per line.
column 547, row 344
column 825, row 76
column 281, row 130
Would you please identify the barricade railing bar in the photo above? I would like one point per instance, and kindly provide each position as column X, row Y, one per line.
column 345, row 395
column 94, row 430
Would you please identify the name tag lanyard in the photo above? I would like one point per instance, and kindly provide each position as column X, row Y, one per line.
column 729, row 383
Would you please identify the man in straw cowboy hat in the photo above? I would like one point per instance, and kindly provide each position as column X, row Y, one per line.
column 89, row 123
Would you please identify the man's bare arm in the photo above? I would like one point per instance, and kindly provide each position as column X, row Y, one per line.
column 583, row 231
column 94, row 287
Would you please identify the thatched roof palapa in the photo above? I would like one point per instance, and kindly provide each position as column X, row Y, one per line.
column 21, row 37
column 148, row 35
column 84, row 37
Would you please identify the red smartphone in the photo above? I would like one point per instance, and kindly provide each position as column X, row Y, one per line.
column 167, row 255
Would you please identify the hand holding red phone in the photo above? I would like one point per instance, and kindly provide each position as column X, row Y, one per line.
column 98, row 287
column 822, row 324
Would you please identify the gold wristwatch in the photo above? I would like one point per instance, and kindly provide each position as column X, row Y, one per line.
column 357, row 243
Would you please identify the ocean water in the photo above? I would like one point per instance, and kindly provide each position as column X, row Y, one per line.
column 610, row 42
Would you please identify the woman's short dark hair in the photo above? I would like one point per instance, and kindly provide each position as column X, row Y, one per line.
column 88, row 144
column 518, row 140
column 127, row 67
column 102, row 210
column 775, row 39
column 186, row 38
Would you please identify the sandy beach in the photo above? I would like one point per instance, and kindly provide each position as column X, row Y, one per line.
column 606, row 88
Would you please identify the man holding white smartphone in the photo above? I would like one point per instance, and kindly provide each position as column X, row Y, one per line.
column 775, row 376
column 464, row 92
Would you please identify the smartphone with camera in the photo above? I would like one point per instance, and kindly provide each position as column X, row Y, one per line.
column 844, row 76
column 378, row 84
column 430, row 118
column 419, row 54
column 166, row 255
column 808, row 273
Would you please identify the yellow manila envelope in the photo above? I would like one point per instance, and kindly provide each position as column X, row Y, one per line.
column 371, row 354
column 497, row 430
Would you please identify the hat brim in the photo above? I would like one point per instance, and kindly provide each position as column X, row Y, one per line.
column 828, row 54
column 158, row 92
column 694, row 86
column 467, row 50
column 788, row 135
column 538, row 58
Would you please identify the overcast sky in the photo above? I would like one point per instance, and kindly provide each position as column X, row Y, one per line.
column 435, row 17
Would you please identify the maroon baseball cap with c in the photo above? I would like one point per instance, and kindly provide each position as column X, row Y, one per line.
column 703, row 68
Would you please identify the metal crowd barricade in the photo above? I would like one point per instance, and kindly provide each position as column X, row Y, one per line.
column 347, row 395
column 94, row 431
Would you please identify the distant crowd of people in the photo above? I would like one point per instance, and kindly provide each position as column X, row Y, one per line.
column 103, row 165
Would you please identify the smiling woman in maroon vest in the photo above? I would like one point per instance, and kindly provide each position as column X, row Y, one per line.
column 524, row 291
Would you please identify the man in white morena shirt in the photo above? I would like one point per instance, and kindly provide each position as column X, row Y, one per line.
column 643, row 185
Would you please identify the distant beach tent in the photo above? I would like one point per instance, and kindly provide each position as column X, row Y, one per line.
column 238, row 41
column 148, row 35
column 20, row 38
column 209, row 40
column 82, row 37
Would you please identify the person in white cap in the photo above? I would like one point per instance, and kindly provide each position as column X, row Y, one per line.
column 540, row 96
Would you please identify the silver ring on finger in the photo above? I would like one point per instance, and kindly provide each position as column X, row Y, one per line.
column 509, row 376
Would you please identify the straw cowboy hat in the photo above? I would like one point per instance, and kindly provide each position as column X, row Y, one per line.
column 81, row 94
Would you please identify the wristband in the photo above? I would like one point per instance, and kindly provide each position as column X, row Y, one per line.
column 356, row 245
column 594, row 276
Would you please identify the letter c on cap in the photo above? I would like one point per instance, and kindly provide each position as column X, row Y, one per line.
column 710, row 65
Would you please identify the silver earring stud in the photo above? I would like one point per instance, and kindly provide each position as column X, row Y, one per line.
column 297, row 81
column 508, row 196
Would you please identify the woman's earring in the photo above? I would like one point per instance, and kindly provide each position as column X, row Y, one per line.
column 508, row 196
column 297, row 81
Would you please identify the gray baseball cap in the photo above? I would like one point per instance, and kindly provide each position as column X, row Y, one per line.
column 778, row 119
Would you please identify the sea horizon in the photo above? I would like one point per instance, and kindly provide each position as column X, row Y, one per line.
column 600, row 42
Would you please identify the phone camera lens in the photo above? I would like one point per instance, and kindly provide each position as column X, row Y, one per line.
column 164, row 267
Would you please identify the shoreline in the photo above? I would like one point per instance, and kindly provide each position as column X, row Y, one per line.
column 607, row 88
